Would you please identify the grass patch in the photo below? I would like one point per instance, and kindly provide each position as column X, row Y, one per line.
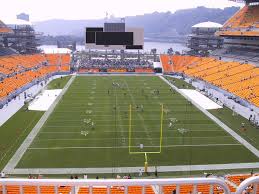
column 179, row 83
column 89, row 128
column 235, row 122
column 16, row 129
column 58, row 83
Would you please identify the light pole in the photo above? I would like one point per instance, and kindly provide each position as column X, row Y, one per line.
column 170, row 53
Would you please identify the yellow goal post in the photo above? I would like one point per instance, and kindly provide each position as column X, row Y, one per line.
column 160, row 139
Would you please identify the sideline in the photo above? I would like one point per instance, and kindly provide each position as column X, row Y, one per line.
column 179, row 168
column 216, row 120
column 29, row 139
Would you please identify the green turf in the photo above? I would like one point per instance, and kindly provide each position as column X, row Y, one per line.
column 14, row 131
column 235, row 122
column 58, row 83
column 226, row 116
column 179, row 83
column 67, row 141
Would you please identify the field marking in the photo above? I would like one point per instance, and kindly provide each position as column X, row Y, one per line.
column 69, row 169
column 117, row 114
column 139, row 115
column 240, row 139
column 175, row 130
column 18, row 138
column 126, row 147
column 125, row 119
column 160, row 169
column 12, row 163
column 123, row 125
column 105, row 138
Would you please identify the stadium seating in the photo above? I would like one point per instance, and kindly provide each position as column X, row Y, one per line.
column 81, row 190
column 232, row 181
column 116, row 70
column 4, row 29
column 234, row 77
column 20, row 70
column 243, row 23
column 144, row 70
column 86, row 70
column 116, row 190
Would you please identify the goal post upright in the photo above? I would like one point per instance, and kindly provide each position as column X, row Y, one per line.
column 161, row 127
column 130, row 128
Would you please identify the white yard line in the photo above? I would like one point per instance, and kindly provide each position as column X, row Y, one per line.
column 216, row 120
column 140, row 116
column 175, row 130
column 29, row 139
column 160, row 169
column 111, row 125
column 123, row 147
column 104, row 138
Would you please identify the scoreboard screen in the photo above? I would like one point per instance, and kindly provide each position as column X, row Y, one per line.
column 114, row 38
column 94, row 29
column 90, row 37
column 90, row 34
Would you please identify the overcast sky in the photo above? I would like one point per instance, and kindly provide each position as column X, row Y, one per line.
column 91, row 9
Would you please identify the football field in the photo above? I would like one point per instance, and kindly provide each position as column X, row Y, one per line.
column 111, row 121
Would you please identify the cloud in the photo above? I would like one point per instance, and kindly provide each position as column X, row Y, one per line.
column 92, row 9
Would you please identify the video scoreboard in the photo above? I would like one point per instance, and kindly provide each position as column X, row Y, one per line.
column 114, row 36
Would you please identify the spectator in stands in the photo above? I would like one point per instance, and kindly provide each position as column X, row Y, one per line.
column 207, row 174
column 250, row 118
column 156, row 174
column 2, row 175
column 243, row 127
column 252, row 172
column 140, row 172
column 130, row 64
column 39, row 176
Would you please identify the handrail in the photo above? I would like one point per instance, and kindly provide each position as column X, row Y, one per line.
column 246, row 183
column 75, row 183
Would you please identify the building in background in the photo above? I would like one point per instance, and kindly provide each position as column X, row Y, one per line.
column 241, row 34
column 23, row 16
column 202, row 41
column 24, row 39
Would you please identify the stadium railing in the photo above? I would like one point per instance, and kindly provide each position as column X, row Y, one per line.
column 248, row 184
column 75, row 184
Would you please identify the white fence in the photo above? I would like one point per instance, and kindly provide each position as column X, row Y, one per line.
column 75, row 184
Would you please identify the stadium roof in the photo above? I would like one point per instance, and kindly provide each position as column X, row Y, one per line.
column 4, row 29
column 245, row 1
column 207, row 25
column 56, row 50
